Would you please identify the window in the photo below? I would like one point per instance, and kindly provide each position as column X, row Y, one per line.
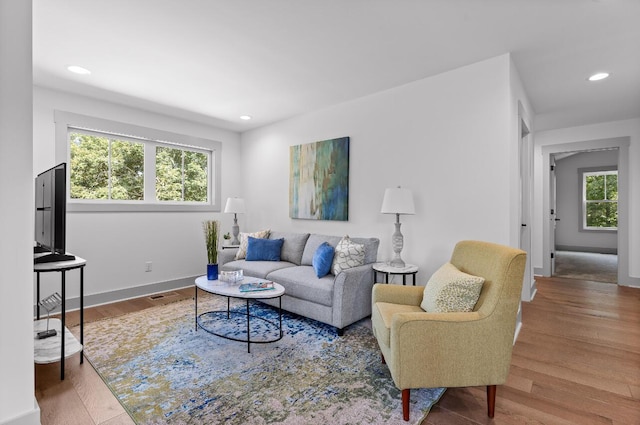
column 181, row 175
column 105, row 168
column 600, row 200
column 121, row 167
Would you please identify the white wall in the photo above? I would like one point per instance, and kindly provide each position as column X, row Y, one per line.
column 17, row 401
column 626, row 128
column 117, row 245
column 569, row 203
column 447, row 138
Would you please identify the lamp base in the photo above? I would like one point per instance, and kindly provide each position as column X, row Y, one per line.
column 397, row 241
column 397, row 263
column 235, row 230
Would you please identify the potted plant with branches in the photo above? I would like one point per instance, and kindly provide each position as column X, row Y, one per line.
column 211, row 229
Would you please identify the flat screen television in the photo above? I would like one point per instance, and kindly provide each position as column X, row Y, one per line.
column 51, row 215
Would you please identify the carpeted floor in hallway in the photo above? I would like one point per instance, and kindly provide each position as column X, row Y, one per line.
column 587, row 266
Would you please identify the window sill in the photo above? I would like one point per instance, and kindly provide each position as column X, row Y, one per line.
column 596, row 230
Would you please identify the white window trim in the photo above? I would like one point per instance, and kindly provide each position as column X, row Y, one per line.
column 583, row 206
column 64, row 121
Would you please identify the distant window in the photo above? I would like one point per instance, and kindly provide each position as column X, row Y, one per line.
column 600, row 200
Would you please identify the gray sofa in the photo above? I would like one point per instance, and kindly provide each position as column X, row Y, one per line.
column 335, row 300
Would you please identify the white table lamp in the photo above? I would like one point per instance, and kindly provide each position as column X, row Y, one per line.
column 397, row 201
column 235, row 206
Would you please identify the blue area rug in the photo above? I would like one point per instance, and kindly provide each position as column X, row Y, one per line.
column 163, row 371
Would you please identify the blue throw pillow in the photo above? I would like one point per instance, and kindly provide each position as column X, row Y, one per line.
column 264, row 249
column 322, row 259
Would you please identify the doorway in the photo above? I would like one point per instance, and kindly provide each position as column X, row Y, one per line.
column 585, row 215
column 551, row 211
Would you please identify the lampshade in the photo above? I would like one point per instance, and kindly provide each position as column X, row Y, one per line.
column 398, row 201
column 234, row 205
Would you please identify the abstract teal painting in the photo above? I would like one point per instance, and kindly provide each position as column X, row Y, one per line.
column 319, row 180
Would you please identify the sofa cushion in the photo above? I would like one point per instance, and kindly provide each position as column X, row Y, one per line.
column 293, row 246
column 322, row 259
column 302, row 282
column 450, row 290
column 244, row 241
column 348, row 254
column 314, row 241
column 312, row 245
column 256, row 268
column 370, row 248
column 264, row 249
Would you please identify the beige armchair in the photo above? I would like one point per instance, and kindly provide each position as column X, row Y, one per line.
column 429, row 350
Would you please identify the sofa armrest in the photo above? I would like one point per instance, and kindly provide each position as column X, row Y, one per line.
column 352, row 295
column 226, row 255
column 394, row 294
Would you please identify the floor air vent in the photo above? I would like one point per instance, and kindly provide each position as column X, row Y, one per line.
column 161, row 296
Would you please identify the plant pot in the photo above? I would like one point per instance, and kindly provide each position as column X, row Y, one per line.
column 212, row 272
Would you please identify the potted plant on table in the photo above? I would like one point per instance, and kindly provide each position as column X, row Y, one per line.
column 227, row 239
column 211, row 228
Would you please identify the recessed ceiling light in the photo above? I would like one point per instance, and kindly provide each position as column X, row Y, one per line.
column 599, row 76
column 78, row 70
column 245, row 117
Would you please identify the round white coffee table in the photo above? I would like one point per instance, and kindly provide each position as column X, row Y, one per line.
column 232, row 290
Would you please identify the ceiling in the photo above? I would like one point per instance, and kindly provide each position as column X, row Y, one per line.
column 212, row 61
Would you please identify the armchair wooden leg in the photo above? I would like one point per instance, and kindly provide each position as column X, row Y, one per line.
column 406, row 396
column 491, row 399
column 383, row 360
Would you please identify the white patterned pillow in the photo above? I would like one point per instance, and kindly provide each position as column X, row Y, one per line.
column 348, row 254
column 450, row 290
column 244, row 242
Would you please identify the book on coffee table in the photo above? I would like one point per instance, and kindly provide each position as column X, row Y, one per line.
column 256, row 286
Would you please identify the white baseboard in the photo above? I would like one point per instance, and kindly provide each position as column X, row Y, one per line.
column 515, row 336
column 93, row 300
column 596, row 250
column 31, row 417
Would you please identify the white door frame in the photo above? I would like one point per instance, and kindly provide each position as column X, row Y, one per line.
column 525, row 153
column 553, row 213
column 622, row 143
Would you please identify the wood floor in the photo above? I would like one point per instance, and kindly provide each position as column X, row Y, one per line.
column 83, row 398
column 576, row 361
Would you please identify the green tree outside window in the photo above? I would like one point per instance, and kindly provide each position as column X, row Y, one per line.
column 104, row 168
column 181, row 175
column 110, row 169
column 600, row 199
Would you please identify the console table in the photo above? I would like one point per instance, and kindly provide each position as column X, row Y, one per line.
column 46, row 350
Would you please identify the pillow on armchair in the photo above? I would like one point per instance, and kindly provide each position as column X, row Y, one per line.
column 450, row 290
